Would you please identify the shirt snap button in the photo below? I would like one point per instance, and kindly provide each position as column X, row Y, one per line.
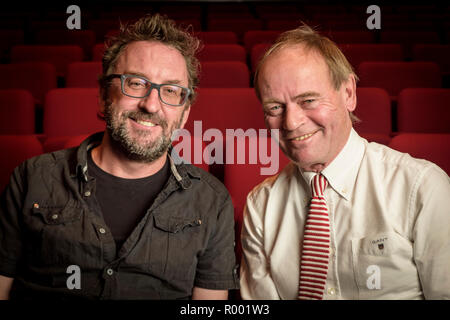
column 55, row 216
column 110, row 272
column 87, row 193
column 331, row 291
column 102, row 230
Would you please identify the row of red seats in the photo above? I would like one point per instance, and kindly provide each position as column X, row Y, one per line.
column 86, row 38
column 72, row 111
column 62, row 55
column 391, row 76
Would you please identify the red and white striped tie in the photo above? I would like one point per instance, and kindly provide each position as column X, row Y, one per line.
column 316, row 245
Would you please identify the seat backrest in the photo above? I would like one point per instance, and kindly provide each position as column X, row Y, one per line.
column 434, row 147
column 237, row 25
column 72, row 111
column 83, row 74
column 424, row 110
column 438, row 53
column 224, row 74
column 395, row 76
column 36, row 77
column 351, row 36
column 97, row 52
column 82, row 38
column 240, row 179
column 16, row 112
column 217, row 37
column 222, row 52
column 15, row 150
column 256, row 54
column 60, row 56
column 359, row 52
column 253, row 37
column 226, row 108
column 373, row 108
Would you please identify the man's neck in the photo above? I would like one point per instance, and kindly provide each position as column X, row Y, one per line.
column 117, row 164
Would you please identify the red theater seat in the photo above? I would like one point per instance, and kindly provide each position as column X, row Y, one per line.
column 425, row 110
column 226, row 108
column 36, row 77
column 16, row 112
column 15, row 150
column 217, row 37
column 82, row 38
column 438, row 53
column 373, row 108
column 240, row 179
column 351, row 36
column 59, row 56
column 97, row 52
column 360, row 52
column 224, row 74
column 222, row 52
column 254, row 37
column 239, row 26
column 395, row 76
column 433, row 147
column 257, row 53
column 408, row 38
column 69, row 112
column 83, row 74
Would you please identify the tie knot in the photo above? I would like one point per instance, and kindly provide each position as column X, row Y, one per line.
column 318, row 185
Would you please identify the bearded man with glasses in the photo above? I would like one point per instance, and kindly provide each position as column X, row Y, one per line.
column 118, row 209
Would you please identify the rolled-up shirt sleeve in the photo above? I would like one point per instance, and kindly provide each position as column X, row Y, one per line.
column 431, row 232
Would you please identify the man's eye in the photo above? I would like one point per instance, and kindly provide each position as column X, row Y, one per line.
column 137, row 83
column 274, row 110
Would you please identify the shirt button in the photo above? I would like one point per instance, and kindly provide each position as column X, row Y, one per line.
column 331, row 291
column 55, row 216
column 110, row 272
column 87, row 193
column 102, row 230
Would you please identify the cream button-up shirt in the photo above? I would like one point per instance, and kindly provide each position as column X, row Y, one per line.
column 390, row 228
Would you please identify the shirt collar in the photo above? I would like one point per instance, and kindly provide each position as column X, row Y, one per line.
column 179, row 169
column 342, row 171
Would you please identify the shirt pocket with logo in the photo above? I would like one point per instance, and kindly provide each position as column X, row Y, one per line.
column 175, row 244
column 383, row 267
column 59, row 238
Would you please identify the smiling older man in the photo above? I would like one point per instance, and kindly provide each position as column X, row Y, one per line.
column 347, row 219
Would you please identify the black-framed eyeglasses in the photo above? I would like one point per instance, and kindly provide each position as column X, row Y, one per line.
column 139, row 87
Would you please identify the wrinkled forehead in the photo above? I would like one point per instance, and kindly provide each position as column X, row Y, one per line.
column 290, row 63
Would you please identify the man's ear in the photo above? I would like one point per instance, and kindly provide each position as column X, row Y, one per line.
column 349, row 91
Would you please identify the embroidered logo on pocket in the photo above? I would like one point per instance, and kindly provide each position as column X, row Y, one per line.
column 374, row 280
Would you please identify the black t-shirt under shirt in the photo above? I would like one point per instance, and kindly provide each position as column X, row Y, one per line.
column 124, row 202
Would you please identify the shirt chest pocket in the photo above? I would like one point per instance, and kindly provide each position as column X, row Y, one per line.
column 59, row 235
column 383, row 267
column 175, row 243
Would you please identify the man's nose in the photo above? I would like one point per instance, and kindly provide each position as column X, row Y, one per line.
column 151, row 103
column 294, row 117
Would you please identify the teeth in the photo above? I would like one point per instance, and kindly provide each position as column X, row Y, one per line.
column 303, row 137
column 145, row 123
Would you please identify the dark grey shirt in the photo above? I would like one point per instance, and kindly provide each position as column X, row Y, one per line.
column 50, row 220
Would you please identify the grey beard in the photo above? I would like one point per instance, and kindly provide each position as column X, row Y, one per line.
column 121, row 140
